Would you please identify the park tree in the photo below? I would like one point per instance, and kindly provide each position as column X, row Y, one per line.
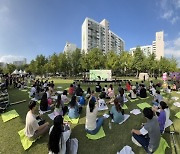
column 9, row 68
column 125, row 61
column 138, row 60
column 76, row 61
column 112, row 61
column 37, row 66
column 63, row 63
column 96, row 59
column 53, row 64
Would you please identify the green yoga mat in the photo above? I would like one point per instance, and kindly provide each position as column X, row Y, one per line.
column 133, row 100
column 178, row 115
column 97, row 136
column 162, row 147
column 26, row 143
column 144, row 98
column 73, row 121
column 143, row 105
column 9, row 115
column 124, row 107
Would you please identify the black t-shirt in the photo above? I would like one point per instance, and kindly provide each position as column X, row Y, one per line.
column 98, row 88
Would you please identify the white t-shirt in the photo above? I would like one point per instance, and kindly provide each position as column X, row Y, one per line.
column 31, row 124
column 33, row 91
column 65, row 137
column 91, row 118
column 64, row 98
column 167, row 111
column 102, row 104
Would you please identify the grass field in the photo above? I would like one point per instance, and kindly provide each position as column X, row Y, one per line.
column 115, row 139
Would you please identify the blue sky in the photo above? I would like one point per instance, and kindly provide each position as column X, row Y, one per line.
column 28, row 28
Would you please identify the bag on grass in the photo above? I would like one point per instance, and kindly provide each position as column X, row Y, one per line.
column 72, row 146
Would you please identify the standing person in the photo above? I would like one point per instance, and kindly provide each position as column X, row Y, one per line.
column 116, row 112
column 33, row 129
column 149, row 135
column 58, row 135
column 92, row 125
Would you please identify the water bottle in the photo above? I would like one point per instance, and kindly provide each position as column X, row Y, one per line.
column 110, row 125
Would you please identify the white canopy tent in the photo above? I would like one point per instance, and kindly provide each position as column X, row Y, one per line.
column 21, row 72
column 15, row 72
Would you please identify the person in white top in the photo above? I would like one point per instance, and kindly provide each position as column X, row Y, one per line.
column 102, row 104
column 92, row 125
column 133, row 93
column 58, row 135
column 64, row 97
column 32, row 91
column 33, row 128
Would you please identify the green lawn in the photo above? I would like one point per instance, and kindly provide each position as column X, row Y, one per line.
column 116, row 138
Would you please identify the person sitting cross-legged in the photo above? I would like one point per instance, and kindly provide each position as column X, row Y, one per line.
column 116, row 112
column 92, row 125
column 34, row 127
column 149, row 135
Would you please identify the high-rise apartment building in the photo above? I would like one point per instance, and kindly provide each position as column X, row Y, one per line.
column 157, row 46
column 98, row 35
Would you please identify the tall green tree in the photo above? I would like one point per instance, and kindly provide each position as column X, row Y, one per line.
column 138, row 60
column 76, row 61
column 9, row 68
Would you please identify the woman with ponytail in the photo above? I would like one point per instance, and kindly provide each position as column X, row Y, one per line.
column 116, row 112
column 58, row 135
column 92, row 125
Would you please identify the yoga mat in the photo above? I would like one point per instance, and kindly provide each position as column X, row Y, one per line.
column 9, row 115
column 124, row 107
column 73, row 121
column 26, row 143
column 97, row 136
column 162, row 147
column 178, row 115
column 143, row 105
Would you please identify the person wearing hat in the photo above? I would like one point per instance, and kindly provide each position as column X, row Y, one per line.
column 34, row 128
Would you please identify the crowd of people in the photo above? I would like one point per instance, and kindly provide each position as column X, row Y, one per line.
column 94, row 99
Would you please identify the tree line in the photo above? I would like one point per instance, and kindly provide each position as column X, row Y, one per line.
column 77, row 62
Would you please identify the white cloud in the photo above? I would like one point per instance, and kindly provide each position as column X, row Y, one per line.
column 10, row 58
column 169, row 10
column 167, row 15
column 172, row 48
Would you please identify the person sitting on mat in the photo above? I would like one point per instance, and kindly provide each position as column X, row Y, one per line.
column 149, row 135
column 102, row 103
column 74, row 109
column 116, row 112
column 103, row 93
column 71, row 90
column 34, row 128
column 161, row 114
column 132, row 94
column 92, row 125
column 82, row 100
column 143, row 93
column 98, row 87
column 110, row 91
column 79, row 90
column 44, row 106
column 88, row 93
column 59, row 133
column 64, row 97
column 157, row 98
column 60, row 109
